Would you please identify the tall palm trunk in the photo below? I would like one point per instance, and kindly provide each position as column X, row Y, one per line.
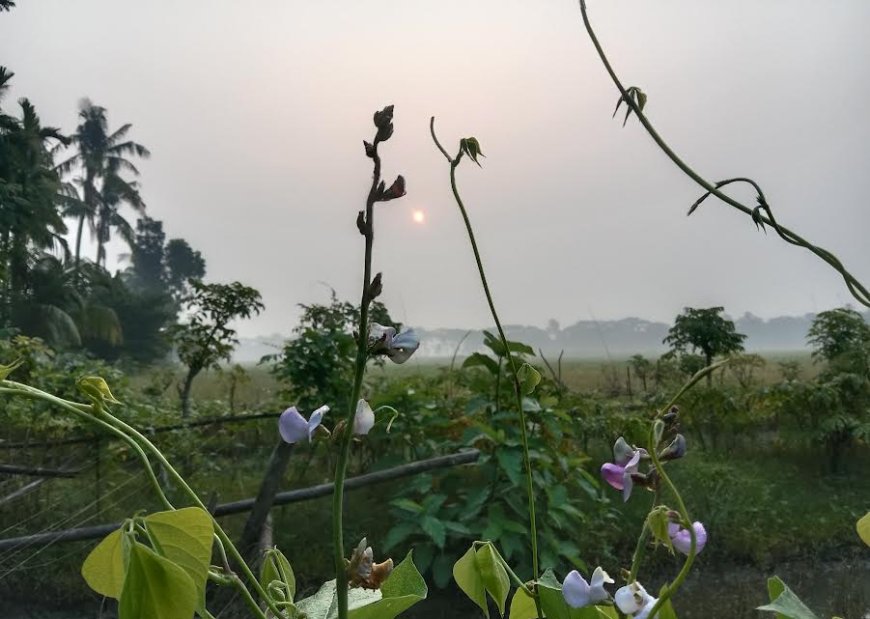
column 79, row 244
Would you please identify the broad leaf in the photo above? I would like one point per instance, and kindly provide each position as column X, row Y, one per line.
column 404, row 588
column 863, row 528
column 528, row 378
column 156, row 588
column 523, row 606
column 185, row 537
column 104, row 567
column 494, row 576
column 435, row 529
column 478, row 359
column 784, row 602
column 467, row 576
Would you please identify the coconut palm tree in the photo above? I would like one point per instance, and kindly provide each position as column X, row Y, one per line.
column 102, row 156
column 29, row 217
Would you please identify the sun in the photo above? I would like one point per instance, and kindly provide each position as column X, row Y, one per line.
column 418, row 216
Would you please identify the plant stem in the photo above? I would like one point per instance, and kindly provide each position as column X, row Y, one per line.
column 861, row 294
column 359, row 372
column 670, row 589
column 138, row 441
column 530, row 491
column 85, row 412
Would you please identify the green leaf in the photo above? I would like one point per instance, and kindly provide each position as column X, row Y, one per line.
column 468, row 577
column 529, row 378
column 863, row 527
column 657, row 521
column 96, row 388
column 784, row 602
column 103, row 569
column 185, row 537
column 156, row 588
column 6, row 370
column 523, row 606
column 399, row 534
column 435, row 529
column 276, row 567
column 511, row 462
column 404, row 588
column 494, row 576
column 479, row 359
column 408, row 505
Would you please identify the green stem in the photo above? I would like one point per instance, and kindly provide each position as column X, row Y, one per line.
column 669, row 590
column 85, row 411
column 530, row 491
column 180, row 481
column 855, row 287
column 359, row 372
column 137, row 441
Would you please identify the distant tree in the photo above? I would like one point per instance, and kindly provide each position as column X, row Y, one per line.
column 147, row 255
column 6, row 5
column 842, row 338
column 102, row 156
column 705, row 331
column 642, row 368
column 183, row 264
column 205, row 339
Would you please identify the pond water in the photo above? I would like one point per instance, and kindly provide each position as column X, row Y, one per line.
column 831, row 588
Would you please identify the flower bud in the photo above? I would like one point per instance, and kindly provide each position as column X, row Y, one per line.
column 677, row 449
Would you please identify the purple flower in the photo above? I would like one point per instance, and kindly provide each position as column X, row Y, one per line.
column 633, row 600
column 579, row 593
column 294, row 427
column 618, row 473
column 682, row 539
column 398, row 347
column 364, row 418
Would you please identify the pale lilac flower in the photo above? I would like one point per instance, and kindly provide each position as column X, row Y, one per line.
column 579, row 593
column 364, row 418
column 398, row 347
column 633, row 600
column 682, row 540
column 618, row 473
column 294, row 427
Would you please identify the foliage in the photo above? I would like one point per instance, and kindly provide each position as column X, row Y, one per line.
column 706, row 331
column 318, row 363
column 842, row 338
column 206, row 338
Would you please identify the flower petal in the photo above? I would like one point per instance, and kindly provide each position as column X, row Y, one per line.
column 597, row 592
column 613, row 474
column 682, row 540
column 292, row 426
column 575, row 590
column 631, row 598
column 315, row 419
column 364, row 418
column 645, row 611
column 403, row 346
column 622, row 451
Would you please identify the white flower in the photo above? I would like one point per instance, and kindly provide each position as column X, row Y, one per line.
column 578, row 593
column 364, row 418
column 398, row 347
column 293, row 427
column 634, row 600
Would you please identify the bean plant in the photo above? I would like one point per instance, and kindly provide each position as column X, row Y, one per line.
column 162, row 565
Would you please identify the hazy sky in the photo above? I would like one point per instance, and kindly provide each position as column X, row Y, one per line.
column 255, row 114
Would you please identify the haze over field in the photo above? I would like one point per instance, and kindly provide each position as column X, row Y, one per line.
column 255, row 120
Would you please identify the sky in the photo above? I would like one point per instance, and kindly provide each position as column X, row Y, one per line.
column 255, row 113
